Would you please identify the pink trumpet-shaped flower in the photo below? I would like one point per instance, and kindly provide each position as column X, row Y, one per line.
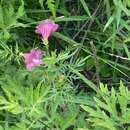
column 46, row 28
column 33, row 59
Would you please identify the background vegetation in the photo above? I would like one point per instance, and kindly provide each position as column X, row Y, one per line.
column 68, row 92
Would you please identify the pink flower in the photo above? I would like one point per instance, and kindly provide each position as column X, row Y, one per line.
column 33, row 59
column 46, row 28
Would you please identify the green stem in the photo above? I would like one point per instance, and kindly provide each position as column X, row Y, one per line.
column 47, row 50
column 45, row 42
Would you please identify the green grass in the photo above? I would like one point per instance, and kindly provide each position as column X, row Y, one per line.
column 90, row 47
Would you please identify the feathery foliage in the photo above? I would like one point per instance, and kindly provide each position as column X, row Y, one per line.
column 68, row 90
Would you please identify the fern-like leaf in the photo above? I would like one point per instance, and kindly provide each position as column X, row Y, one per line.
column 51, row 6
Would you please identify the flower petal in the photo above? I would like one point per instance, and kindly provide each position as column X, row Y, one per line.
column 46, row 28
column 33, row 59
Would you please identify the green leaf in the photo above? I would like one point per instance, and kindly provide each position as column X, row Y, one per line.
column 106, row 122
column 67, row 39
column 6, row 35
column 71, row 18
column 118, row 14
column 126, row 50
column 83, row 129
column 103, row 105
column 1, row 128
column 111, row 19
column 51, row 6
column 1, row 17
column 88, row 82
column 108, row 8
column 10, row 16
column 85, row 7
column 20, row 11
column 129, row 127
column 127, row 40
column 92, row 111
column 41, row 3
column 128, row 3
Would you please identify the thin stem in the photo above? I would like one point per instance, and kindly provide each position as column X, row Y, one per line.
column 45, row 42
column 47, row 50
